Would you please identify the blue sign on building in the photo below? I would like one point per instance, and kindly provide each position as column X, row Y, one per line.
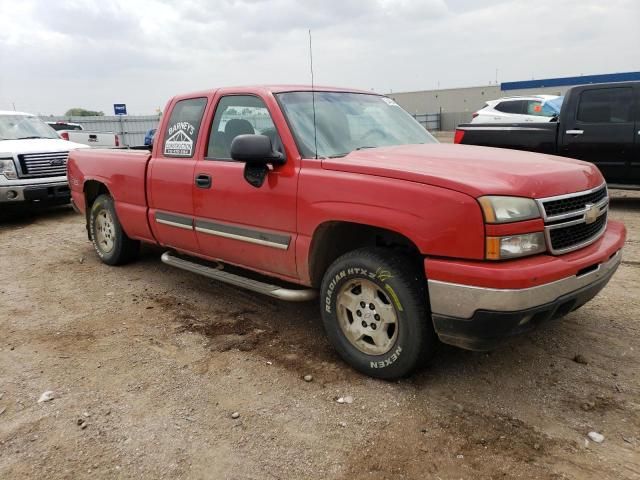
column 120, row 108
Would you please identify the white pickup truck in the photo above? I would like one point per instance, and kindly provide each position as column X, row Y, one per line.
column 75, row 132
column 33, row 161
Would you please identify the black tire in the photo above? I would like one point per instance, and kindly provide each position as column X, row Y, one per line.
column 122, row 249
column 403, row 283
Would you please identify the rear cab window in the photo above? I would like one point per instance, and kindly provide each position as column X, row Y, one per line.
column 606, row 105
column 183, row 126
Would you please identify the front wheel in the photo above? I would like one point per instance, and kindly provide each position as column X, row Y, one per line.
column 112, row 245
column 375, row 312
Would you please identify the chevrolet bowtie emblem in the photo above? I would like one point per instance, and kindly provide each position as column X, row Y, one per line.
column 591, row 213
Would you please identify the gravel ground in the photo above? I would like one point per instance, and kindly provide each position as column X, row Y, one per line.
column 147, row 364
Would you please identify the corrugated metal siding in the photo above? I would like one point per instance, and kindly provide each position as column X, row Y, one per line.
column 130, row 128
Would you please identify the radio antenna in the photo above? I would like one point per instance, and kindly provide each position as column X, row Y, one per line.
column 313, row 97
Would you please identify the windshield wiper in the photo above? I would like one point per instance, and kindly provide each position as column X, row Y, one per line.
column 30, row 138
column 365, row 146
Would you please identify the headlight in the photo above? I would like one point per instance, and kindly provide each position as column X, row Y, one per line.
column 508, row 209
column 8, row 168
column 512, row 246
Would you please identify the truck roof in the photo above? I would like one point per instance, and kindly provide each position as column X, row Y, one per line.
column 274, row 89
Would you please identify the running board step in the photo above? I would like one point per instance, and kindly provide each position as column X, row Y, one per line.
column 290, row 295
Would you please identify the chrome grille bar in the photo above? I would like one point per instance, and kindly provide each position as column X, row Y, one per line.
column 576, row 209
column 36, row 165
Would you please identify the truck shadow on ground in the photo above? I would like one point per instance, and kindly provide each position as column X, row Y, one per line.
column 21, row 216
column 292, row 335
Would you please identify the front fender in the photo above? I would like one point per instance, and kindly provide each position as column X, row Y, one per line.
column 439, row 221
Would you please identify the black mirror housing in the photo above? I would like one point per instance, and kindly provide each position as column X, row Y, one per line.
column 255, row 150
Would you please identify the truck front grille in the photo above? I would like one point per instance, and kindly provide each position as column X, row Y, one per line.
column 575, row 220
column 568, row 237
column 571, row 204
column 38, row 165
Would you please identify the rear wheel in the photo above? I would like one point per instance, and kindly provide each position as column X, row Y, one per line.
column 112, row 245
column 375, row 312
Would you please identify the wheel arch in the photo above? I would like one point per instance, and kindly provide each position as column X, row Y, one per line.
column 92, row 189
column 332, row 239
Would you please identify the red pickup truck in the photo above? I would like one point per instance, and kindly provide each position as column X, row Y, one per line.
column 292, row 192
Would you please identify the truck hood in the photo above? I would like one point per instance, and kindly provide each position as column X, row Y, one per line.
column 473, row 170
column 37, row 145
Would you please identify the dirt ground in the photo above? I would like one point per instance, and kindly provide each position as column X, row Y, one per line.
column 147, row 364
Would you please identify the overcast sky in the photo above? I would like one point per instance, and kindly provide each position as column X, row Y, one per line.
column 58, row 54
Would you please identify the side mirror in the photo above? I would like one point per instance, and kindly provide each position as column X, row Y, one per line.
column 255, row 150
column 257, row 153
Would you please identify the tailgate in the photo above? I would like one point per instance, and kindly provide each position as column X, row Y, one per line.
column 532, row 137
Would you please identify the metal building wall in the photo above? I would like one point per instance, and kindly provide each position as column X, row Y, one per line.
column 446, row 100
column 130, row 128
column 457, row 104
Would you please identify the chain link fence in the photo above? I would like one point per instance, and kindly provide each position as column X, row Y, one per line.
column 430, row 121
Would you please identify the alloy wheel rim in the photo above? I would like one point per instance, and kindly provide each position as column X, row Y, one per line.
column 367, row 317
column 104, row 231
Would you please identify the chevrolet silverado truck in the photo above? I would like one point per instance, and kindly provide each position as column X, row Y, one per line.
column 598, row 123
column 298, row 193
column 33, row 161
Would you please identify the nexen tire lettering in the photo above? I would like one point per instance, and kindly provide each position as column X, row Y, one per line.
column 388, row 361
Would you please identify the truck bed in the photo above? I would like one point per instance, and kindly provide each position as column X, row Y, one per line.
column 532, row 137
column 124, row 173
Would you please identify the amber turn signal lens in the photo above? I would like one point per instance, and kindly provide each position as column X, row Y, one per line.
column 487, row 209
column 493, row 248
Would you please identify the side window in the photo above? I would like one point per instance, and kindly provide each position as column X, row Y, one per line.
column 183, row 126
column 606, row 105
column 239, row 115
column 534, row 107
column 510, row 106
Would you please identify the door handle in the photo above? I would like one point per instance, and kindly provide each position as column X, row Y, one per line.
column 574, row 132
column 203, row 180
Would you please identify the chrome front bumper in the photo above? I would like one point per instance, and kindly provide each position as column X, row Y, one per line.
column 462, row 301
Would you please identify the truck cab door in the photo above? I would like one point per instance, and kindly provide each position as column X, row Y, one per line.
column 235, row 222
column 634, row 168
column 170, row 176
column 602, row 131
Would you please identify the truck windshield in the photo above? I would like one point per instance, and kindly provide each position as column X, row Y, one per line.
column 348, row 121
column 19, row 127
